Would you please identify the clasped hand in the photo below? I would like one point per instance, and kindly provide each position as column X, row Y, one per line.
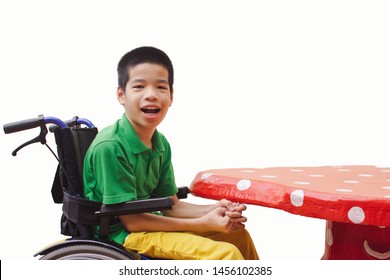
column 227, row 216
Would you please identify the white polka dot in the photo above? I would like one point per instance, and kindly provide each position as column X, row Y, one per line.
column 387, row 196
column 316, row 175
column 343, row 190
column 366, row 175
column 297, row 197
column 386, row 187
column 206, row 175
column 385, row 170
column 344, row 170
column 356, row 215
column 297, row 170
column 244, row 184
column 351, row 182
column 268, row 176
column 302, row 183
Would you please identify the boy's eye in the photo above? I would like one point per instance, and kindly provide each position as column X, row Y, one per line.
column 163, row 87
column 138, row 86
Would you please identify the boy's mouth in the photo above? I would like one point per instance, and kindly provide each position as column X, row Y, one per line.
column 150, row 110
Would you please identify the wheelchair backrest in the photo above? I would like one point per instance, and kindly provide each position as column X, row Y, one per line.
column 78, row 213
column 72, row 144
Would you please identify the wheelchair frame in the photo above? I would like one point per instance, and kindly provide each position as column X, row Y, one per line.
column 73, row 138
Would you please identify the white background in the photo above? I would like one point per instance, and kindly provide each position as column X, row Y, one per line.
column 257, row 84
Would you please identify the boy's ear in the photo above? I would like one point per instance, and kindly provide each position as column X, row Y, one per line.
column 171, row 97
column 120, row 95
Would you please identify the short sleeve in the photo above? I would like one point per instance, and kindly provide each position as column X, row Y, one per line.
column 114, row 173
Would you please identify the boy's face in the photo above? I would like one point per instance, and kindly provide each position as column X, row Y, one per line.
column 147, row 96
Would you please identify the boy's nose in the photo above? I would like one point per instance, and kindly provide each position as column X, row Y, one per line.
column 151, row 94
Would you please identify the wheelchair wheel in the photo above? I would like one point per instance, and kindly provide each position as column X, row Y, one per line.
column 84, row 252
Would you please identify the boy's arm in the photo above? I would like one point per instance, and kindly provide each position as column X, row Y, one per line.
column 182, row 209
column 224, row 216
column 152, row 223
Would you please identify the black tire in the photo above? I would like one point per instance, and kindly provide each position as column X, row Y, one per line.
column 84, row 252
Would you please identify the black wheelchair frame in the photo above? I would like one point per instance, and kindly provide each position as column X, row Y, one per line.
column 80, row 215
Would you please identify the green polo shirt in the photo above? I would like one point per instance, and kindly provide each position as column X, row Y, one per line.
column 119, row 167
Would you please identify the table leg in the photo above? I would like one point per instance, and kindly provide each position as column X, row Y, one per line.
column 346, row 241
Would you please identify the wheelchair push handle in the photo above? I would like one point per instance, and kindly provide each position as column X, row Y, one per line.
column 22, row 125
column 42, row 122
column 31, row 123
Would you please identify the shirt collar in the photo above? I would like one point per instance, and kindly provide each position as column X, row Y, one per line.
column 137, row 146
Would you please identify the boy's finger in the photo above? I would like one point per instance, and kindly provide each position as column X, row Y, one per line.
column 233, row 214
column 239, row 220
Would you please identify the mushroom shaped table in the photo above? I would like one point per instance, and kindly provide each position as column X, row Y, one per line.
column 354, row 200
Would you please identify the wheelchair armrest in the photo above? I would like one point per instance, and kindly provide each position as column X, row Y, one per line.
column 182, row 192
column 141, row 206
column 136, row 207
column 130, row 207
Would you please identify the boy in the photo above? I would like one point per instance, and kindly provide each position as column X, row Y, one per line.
column 131, row 160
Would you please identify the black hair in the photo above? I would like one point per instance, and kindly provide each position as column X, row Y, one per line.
column 143, row 55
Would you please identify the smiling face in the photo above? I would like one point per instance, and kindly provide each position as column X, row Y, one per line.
column 146, row 98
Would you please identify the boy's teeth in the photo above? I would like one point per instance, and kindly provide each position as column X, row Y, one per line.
column 150, row 110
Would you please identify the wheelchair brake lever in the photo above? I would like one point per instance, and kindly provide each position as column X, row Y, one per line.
column 41, row 138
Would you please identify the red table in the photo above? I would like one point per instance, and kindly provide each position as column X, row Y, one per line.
column 355, row 201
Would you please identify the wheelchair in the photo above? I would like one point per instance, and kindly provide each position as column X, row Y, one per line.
column 79, row 215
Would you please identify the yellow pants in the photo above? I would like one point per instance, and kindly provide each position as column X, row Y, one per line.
column 237, row 245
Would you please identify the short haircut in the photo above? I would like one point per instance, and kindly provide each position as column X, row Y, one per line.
column 143, row 55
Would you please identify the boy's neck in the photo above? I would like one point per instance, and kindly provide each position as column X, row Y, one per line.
column 145, row 135
column 148, row 141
